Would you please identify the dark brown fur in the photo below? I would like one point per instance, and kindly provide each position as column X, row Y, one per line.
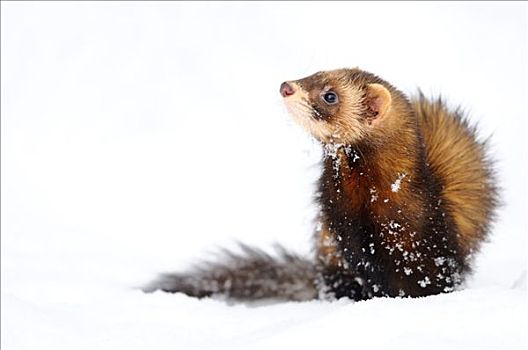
column 417, row 240
column 407, row 195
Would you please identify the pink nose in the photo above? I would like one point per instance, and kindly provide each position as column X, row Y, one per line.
column 286, row 89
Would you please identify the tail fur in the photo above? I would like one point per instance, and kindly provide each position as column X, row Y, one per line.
column 460, row 159
column 250, row 275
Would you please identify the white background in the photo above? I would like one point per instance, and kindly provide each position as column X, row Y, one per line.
column 138, row 137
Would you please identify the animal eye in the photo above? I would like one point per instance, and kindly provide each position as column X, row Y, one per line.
column 330, row 98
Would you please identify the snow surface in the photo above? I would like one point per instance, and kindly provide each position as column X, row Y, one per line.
column 138, row 137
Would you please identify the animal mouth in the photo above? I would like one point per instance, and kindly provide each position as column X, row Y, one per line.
column 300, row 109
column 307, row 117
column 299, row 106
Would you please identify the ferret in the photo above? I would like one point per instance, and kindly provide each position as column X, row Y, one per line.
column 407, row 195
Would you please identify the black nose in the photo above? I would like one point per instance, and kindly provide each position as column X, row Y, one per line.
column 286, row 89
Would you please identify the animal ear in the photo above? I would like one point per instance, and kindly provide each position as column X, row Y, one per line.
column 378, row 101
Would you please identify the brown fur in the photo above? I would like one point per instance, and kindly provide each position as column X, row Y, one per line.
column 328, row 252
column 406, row 192
column 407, row 195
column 461, row 163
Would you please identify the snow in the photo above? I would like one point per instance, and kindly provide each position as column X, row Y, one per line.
column 139, row 137
column 395, row 186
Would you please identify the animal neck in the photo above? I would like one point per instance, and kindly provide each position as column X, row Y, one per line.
column 378, row 177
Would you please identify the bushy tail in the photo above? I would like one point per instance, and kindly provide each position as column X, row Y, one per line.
column 250, row 275
column 457, row 156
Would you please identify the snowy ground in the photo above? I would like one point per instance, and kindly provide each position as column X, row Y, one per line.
column 137, row 137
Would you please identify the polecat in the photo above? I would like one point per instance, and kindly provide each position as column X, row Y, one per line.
column 406, row 196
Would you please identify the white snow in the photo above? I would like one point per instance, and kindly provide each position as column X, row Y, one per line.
column 373, row 194
column 423, row 283
column 138, row 137
column 395, row 186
